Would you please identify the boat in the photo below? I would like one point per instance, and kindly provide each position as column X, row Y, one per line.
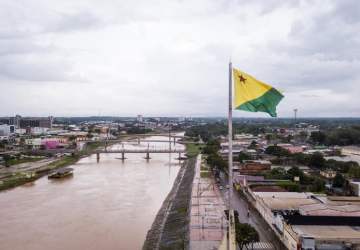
column 61, row 173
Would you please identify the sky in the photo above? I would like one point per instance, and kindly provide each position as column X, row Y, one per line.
column 170, row 58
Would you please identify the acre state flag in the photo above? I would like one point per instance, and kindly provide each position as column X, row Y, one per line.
column 253, row 95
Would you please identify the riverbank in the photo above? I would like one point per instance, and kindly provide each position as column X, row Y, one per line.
column 32, row 173
column 170, row 229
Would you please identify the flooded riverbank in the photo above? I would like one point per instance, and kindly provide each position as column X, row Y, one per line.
column 105, row 205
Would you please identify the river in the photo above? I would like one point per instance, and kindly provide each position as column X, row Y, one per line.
column 108, row 205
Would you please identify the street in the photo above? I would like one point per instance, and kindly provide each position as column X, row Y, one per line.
column 241, row 205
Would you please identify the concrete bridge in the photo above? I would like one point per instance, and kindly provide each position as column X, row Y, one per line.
column 147, row 152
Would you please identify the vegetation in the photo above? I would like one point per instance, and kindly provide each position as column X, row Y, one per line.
column 306, row 182
column 277, row 151
column 192, row 150
column 340, row 136
column 339, row 181
column 9, row 160
column 289, row 186
column 245, row 233
column 63, row 162
column 243, row 157
column 137, row 130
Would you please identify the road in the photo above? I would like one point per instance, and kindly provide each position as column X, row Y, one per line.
column 241, row 205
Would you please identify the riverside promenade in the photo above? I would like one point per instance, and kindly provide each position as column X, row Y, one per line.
column 207, row 221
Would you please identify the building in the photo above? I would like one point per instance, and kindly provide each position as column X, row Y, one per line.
column 355, row 187
column 329, row 174
column 25, row 122
column 311, row 221
column 139, row 118
column 291, row 148
column 7, row 130
column 350, row 150
column 40, row 122
column 254, row 167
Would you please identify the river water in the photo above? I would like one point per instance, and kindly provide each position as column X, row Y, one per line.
column 105, row 205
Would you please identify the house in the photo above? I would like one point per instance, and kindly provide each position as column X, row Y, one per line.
column 252, row 167
column 329, row 174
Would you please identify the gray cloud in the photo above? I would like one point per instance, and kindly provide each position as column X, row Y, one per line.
column 171, row 57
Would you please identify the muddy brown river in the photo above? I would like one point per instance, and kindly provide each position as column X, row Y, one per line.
column 106, row 205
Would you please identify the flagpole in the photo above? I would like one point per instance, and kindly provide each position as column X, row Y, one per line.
column 230, row 159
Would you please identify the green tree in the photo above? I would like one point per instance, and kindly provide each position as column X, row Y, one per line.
column 318, row 137
column 317, row 160
column 277, row 173
column 253, row 145
column 354, row 171
column 339, row 181
column 318, row 185
column 277, row 151
column 243, row 157
column 295, row 171
column 245, row 234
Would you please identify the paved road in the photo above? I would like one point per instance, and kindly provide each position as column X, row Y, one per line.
column 242, row 207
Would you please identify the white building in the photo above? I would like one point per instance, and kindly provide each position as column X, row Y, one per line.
column 139, row 118
column 7, row 130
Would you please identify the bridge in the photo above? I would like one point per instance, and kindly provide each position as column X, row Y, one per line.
column 147, row 152
column 138, row 140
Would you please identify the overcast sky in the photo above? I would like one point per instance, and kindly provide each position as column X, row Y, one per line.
column 163, row 57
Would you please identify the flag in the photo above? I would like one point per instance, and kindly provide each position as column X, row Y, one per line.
column 253, row 95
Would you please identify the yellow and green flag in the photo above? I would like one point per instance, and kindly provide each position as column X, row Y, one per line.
column 253, row 95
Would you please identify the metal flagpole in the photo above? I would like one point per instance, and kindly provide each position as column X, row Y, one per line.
column 230, row 159
column 231, row 229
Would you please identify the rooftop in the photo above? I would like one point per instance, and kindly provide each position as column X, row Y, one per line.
column 338, row 233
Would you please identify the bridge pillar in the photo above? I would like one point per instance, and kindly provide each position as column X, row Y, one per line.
column 174, row 140
column 123, row 155
column 97, row 157
column 147, row 157
column 179, row 156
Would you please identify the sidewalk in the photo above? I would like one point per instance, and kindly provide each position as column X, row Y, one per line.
column 207, row 222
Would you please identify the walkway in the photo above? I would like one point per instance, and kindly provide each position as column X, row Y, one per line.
column 207, row 222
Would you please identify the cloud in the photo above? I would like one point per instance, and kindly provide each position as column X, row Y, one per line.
column 171, row 57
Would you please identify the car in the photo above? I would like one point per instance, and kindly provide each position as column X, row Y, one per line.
column 221, row 187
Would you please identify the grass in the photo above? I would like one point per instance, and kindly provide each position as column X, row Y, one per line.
column 16, row 180
column 205, row 174
column 23, row 160
column 24, row 177
column 192, row 150
column 63, row 162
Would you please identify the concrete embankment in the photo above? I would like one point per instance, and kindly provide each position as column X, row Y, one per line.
column 170, row 229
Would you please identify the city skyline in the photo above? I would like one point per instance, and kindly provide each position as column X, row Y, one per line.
column 171, row 58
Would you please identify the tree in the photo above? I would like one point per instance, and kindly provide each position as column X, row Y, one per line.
column 253, row 145
column 277, row 173
column 211, row 147
column 245, row 234
column 318, row 137
column 7, row 159
column 295, row 171
column 318, row 185
column 339, row 181
column 354, row 171
column 317, row 160
column 277, row 151
column 243, row 157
